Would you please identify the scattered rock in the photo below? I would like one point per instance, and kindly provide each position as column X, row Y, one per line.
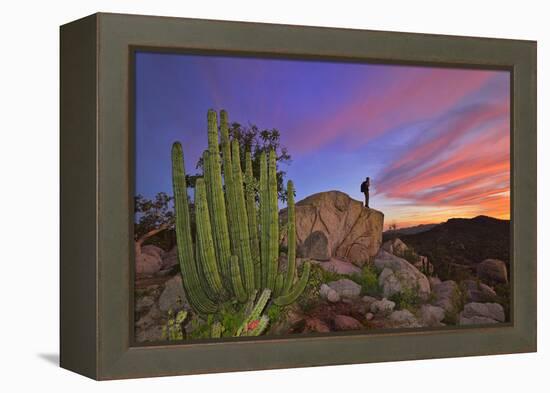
column 404, row 318
column 292, row 317
column 149, row 319
column 434, row 281
column 475, row 320
column 315, row 325
column 151, row 334
column 337, row 266
column 368, row 300
column 383, row 306
column 147, row 264
column 474, row 310
column 143, row 303
column 476, row 291
column 194, row 323
column 447, row 296
column 152, row 250
column 344, row 322
column 329, row 294
column 173, row 296
column 493, row 271
column 399, row 275
column 170, row 258
column 346, row 288
column 353, row 232
column 395, row 247
column 432, row 315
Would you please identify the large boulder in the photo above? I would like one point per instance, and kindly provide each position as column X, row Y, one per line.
column 398, row 276
column 395, row 247
column 493, row 271
column 331, row 224
column 479, row 313
column 476, row 291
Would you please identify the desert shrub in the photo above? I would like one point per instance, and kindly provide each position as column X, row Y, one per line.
column 458, row 300
column 408, row 298
column 275, row 313
column 368, row 279
column 310, row 296
column 410, row 255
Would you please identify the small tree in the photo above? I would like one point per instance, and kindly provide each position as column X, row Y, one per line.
column 256, row 141
column 152, row 216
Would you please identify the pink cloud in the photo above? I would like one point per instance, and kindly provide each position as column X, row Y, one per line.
column 415, row 94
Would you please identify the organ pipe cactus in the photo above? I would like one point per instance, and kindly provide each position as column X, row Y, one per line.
column 197, row 297
column 234, row 255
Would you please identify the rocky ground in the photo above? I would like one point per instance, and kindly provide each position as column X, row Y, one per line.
column 357, row 283
column 388, row 293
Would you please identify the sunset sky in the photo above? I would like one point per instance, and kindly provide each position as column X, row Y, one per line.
column 434, row 141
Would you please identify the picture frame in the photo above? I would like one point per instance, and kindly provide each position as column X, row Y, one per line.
column 96, row 269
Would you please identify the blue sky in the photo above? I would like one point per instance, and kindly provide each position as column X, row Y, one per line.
column 435, row 141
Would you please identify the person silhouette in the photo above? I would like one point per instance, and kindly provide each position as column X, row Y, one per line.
column 365, row 190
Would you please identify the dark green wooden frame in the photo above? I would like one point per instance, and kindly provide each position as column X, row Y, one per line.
column 97, row 184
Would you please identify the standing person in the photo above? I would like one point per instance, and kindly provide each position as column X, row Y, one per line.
column 365, row 190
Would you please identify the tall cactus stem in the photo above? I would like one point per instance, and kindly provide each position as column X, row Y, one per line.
column 228, row 179
column 297, row 290
column 264, row 221
column 216, row 202
column 251, row 211
column 245, row 256
column 291, row 238
column 191, row 278
column 207, row 255
column 236, row 280
column 273, row 214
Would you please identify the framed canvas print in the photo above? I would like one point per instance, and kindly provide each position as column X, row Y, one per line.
column 239, row 196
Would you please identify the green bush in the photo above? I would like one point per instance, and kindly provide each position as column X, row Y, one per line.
column 408, row 298
column 368, row 279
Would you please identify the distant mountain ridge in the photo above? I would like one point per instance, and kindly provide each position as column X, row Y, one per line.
column 409, row 230
column 462, row 241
